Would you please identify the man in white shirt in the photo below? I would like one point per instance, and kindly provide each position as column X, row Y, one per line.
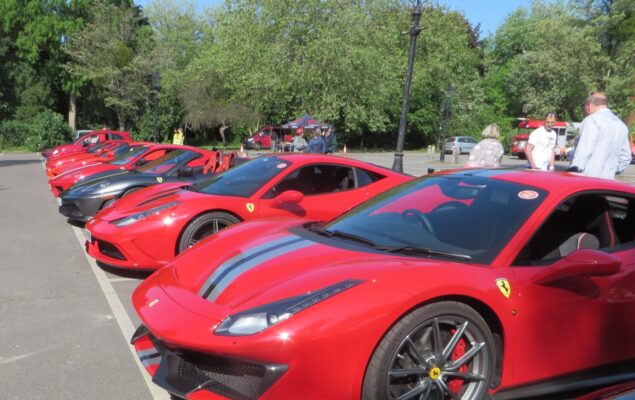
column 540, row 147
column 603, row 149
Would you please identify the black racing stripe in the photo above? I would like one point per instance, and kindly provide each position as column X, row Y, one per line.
column 244, row 260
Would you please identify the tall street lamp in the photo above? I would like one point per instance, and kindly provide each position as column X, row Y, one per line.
column 156, row 86
column 446, row 112
column 403, row 121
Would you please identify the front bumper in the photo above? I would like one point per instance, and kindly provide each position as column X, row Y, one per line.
column 146, row 245
column 203, row 376
column 81, row 208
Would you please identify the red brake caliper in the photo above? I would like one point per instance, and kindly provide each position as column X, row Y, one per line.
column 454, row 384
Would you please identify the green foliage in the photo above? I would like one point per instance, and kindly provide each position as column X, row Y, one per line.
column 43, row 130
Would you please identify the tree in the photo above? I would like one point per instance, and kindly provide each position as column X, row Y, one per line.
column 113, row 52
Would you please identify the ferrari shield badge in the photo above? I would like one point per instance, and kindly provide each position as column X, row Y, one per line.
column 250, row 207
column 159, row 179
column 503, row 286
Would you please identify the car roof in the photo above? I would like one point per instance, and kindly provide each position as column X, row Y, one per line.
column 312, row 158
column 558, row 181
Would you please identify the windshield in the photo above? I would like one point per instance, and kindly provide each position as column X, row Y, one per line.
column 469, row 217
column 168, row 162
column 127, row 154
column 244, row 180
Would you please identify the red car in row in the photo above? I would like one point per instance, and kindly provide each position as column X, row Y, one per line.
column 474, row 284
column 147, row 229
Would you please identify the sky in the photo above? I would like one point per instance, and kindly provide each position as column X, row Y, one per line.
column 489, row 13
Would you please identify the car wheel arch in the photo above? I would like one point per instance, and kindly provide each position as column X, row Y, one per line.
column 199, row 214
column 485, row 311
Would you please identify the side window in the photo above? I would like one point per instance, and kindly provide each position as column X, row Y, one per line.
column 154, row 155
column 583, row 221
column 367, row 177
column 114, row 136
column 198, row 160
column 317, row 179
column 471, row 140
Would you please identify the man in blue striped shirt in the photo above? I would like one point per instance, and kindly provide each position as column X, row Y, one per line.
column 603, row 149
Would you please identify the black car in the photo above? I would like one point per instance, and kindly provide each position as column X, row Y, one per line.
column 84, row 199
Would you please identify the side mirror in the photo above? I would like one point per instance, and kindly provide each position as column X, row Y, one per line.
column 288, row 197
column 185, row 171
column 580, row 263
column 110, row 154
column 140, row 162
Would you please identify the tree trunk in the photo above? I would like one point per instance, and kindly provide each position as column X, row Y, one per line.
column 122, row 121
column 72, row 112
column 222, row 134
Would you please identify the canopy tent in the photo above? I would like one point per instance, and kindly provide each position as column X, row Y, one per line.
column 306, row 122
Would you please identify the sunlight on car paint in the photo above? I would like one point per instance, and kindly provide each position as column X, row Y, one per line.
column 284, row 336
column 168, row 220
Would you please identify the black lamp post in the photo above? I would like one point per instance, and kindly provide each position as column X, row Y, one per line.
column 403, row 121
column 446, row 111
column 156, row 86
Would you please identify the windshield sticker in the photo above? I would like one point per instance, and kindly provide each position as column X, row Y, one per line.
column 281, row 165
column 528, row 195
column 159, row 179
column 503, row 286
column 250, row 207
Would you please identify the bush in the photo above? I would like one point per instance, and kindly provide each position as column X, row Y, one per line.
column 15, row 133
column 50, row 130
column 45, row 130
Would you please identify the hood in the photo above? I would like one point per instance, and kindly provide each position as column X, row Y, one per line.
column 88, row 171
column 148, row 198
column 260, row 262
column 101, row 182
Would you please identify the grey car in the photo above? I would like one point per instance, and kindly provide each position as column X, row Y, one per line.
column 464, row 144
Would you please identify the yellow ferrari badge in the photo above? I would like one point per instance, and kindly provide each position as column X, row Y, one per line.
column 503, row 286
column 250, row 207
column 159, row 179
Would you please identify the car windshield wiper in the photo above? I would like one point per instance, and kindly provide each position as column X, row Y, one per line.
column 341, row 234
column 424, row 251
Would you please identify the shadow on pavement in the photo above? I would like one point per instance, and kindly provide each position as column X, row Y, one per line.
column 125, row 273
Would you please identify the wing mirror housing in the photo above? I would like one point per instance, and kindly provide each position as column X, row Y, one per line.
column 140, row 162
column 288, row 197
column 580, row 263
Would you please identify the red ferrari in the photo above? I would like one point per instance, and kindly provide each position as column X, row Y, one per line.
column 135, row 156
column 103, row 153
column 470, row 285
column 79, row 144
column 148, row 229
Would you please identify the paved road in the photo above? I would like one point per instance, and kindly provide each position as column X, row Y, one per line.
column 64, row 322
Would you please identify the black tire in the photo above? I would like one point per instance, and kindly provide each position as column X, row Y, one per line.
column 203, row 226
column 439, row 348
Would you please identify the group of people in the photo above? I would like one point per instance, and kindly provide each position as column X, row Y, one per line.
column 602, row 148
column 321, row 142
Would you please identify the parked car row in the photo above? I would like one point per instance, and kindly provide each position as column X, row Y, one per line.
column 302, row 276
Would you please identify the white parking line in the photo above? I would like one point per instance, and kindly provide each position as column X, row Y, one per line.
column 124, row 321
column 115, row 280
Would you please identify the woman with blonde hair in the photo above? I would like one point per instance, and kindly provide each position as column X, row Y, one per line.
column 488, row 153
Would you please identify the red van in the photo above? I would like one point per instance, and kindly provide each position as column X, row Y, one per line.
column 264, row 137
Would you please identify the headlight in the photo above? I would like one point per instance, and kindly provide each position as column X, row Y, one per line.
column 131, row 219
column 260, row 318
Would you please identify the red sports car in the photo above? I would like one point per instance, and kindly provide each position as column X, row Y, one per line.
column 135, row 156
column 148, row 229
column 104, row 153
column 501, row 283
column 79, row 144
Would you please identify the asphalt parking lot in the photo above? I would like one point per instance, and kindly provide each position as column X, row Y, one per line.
column 65, row 322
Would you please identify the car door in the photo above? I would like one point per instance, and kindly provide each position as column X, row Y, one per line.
column 328, row 190
column 573, row 322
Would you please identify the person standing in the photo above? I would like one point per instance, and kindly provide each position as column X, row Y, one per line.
column 316, row 144
column 603, row 149
column 540, row 147
column 299, row 143
column 330, row 142
column 488, row 153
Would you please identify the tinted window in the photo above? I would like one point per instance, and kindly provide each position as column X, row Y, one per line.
column 316, row 179
column 582, row 221
column 365, row 177
column 128, row 154
column 169, row 162
column 244, row 180
column 115, row 136
column 461, row 214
